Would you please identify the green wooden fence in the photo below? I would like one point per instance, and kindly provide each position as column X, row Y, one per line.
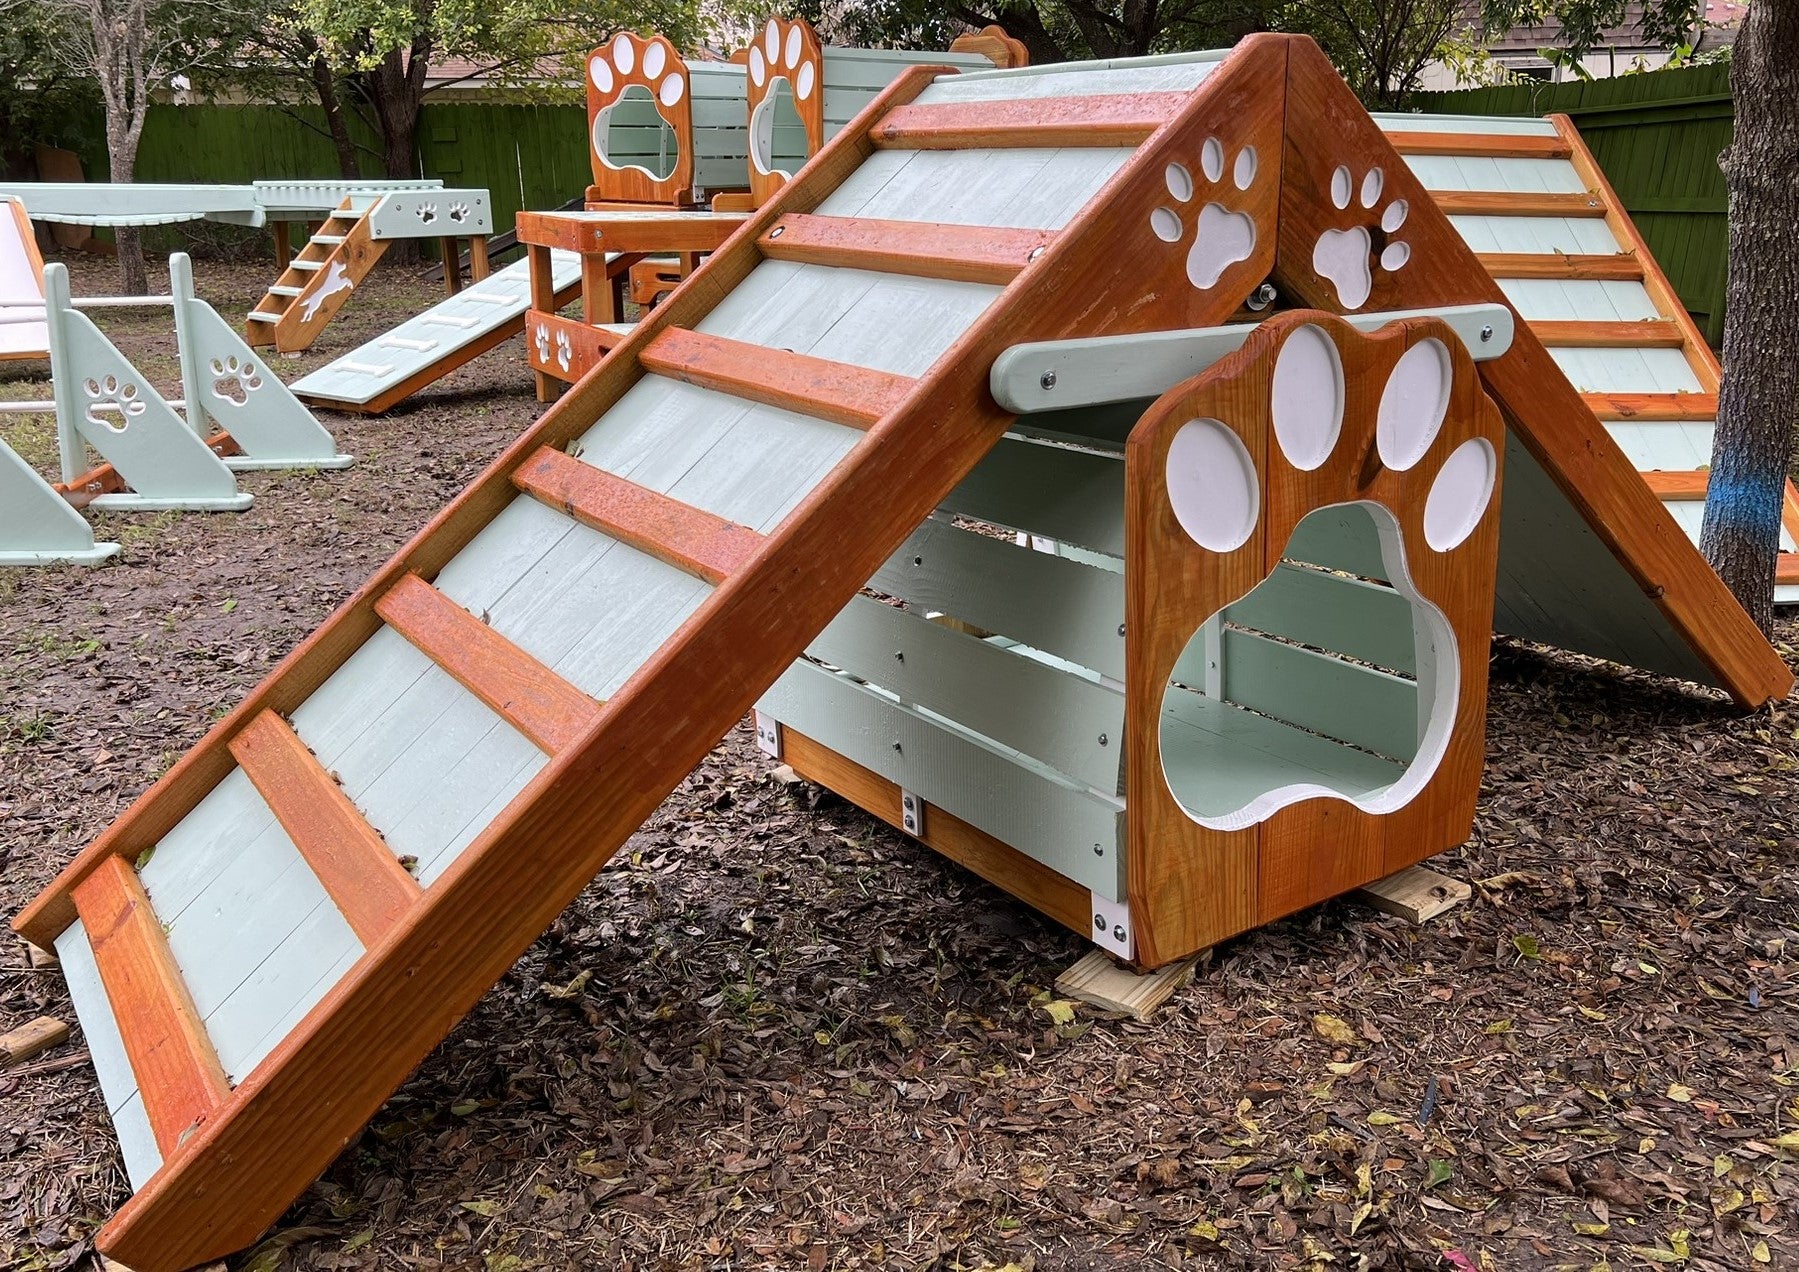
column 525, row 156
column 1657, row 138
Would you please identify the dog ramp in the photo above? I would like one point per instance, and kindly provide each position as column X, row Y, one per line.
column 278, row 932
column 1528, row 198
column 422, row 350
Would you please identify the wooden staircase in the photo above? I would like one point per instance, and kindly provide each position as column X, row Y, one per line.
column 1532, row 202
column 276, row 934
column 318, row 279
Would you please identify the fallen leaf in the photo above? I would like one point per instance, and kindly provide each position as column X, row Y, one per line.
column 1334, row 1029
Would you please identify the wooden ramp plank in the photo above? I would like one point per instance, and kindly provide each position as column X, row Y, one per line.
column 177, row 1071
column 1479, row 145
column 704, row 545
column 834, row 391
column 529, row 696
column 1103, row 119
column 362, row 876
column 1517, row 203
column 922, row 249
column 1620, row 266
column 1653, row 407
column 1653, row 333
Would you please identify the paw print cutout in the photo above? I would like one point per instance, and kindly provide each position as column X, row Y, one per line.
column 427, row 212
column 109, row 397
column 542, row 341
column 1347, row 258
column 459, row 212
column 234, row 381
column 1221, row 237
column 640, row 118
column 1325, row 472
column 564, row 351
column 786, row 102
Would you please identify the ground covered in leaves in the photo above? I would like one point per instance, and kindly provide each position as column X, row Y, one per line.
column 776, row 1034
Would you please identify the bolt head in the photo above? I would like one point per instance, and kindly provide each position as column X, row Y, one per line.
column 1047, row 379
column 777, row 231
column 1486, row 334
column 1099, row 923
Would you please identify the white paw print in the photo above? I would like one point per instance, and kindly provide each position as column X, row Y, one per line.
column 108, row 396
column 1221, row 237
column 459, row 212
column 542, row 341
column 782, row 53
column 234, row 381
column 427, row 212
column 629, row 59
column 564, row 351
column 1347, row 258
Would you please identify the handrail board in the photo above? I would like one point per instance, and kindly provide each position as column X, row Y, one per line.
column 702, row 544
column 531, row 698
column 1102, row 119
column 178, row 1072
column 361, row 874
column 922, row 249
column 836, row 391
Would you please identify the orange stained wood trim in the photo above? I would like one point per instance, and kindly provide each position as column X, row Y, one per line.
column 835, row 391
column 1522, row 203
column 992, row 859
column 1653, row 408
column 1618, row 266
column 704, row 545
column 531, row 698
column 647, row 230
column 352, row 861
column 1652, row 333
column 1479, row 145
column 1677, row 485
column 1786, row 568
column 923, row 249
column 177, row 1071
column 1104, row 119
column 1655, row 282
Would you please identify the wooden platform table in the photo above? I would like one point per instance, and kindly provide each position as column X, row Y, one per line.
column 609, row 241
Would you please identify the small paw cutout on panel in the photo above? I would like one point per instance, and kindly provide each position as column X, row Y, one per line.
column 427, row 213
column 459, row 212
column 109, row 397
column 233, row 381
column 1221, row 237
column 1347, row 258
column 541, row 339
column 564, row 352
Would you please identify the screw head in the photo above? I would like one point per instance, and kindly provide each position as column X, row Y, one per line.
column 1035, row 253
column 1099, row 850
column 1047, row 379
column 1099, row 923
column 1102, row 739
column 777, row 231
column 1121, row 629
column 1118, row 933
column 1486, row 334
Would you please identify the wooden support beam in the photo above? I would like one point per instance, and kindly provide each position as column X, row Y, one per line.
column 1416, row 894
column 1098, row 980
column 1653, row 408
column 923, row 249
column 835, row 391
column 1479, row 145
column 530, row 697
column 352, row 861
column 1619, row 266
column 178, row 1072
column 1103, row 119
column 1519, row 203
column 704, row 545
column 1651, row 333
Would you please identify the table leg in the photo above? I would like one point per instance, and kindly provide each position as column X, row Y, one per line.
column 284, row 246
column 478, row 266
column 543, row 300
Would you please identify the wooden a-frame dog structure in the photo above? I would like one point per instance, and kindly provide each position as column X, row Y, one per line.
column 272, row 937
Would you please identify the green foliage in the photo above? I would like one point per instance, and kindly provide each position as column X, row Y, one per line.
column 1665, row 24
column 38, row 91
column 1381, row 47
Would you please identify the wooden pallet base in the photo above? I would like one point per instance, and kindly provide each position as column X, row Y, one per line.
column 1098, row 980
column 1416, row 894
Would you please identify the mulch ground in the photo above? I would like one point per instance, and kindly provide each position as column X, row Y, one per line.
column 776, row 1034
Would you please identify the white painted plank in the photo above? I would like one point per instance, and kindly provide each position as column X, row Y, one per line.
column 1501, row 175
column 1023, row 189
column 1484, row 125
column 1628, row 370
column 1563, row 299
column 1073, row 80
column 1542, row 235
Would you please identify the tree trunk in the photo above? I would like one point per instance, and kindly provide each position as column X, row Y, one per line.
column 1758, row 403
column 324, row 84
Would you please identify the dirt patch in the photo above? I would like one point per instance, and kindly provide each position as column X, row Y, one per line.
column 776, row 1034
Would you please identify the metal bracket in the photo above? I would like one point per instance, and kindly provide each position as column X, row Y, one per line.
column 1054, row 375
column 911, row 814
column 1112, row 926
column 768, row 736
